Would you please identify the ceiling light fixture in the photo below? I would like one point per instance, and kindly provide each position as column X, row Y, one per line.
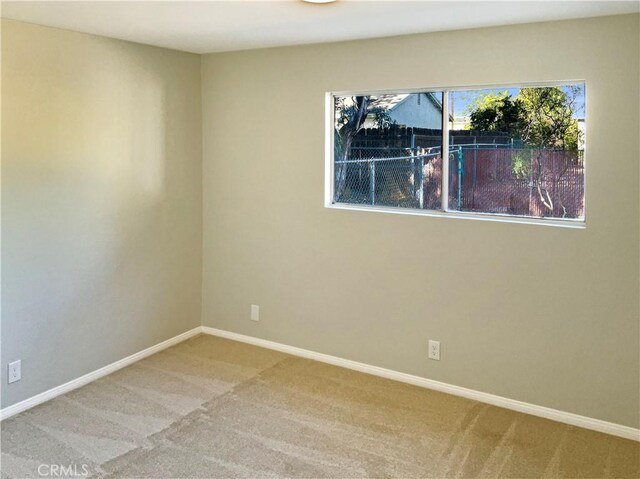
column 318, row 1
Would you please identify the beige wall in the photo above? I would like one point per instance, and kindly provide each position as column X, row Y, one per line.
column 102, row 209
column 536, row 313
column 101, row 201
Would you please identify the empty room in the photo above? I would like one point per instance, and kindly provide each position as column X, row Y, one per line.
column 320, row 239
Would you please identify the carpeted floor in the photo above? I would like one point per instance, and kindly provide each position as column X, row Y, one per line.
column 211, row 407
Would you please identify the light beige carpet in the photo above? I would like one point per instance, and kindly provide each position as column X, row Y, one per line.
column 211, row 407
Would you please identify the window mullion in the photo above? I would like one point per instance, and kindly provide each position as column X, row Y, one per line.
column 445, row 151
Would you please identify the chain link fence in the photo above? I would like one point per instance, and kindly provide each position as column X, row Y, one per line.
column 400, row 177
column 486, row 178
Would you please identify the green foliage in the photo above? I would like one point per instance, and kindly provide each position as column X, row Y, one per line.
column 381, row 117
column 521, row 164
column 497, row 112
column 539, row 117
column 351, row 113
column 350, row 116
column 548, row 114
column 573, row 136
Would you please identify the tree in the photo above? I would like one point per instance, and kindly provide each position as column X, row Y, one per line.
column 549, row 123
column 539, row 117
column 350, row 116
column 497, row 112
column 543, row 119
column 548, row 117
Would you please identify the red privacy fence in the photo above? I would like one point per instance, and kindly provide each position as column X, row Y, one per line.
column 484, row 178
column 531, row 182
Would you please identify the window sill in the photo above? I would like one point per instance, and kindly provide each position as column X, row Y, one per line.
column 560, row 223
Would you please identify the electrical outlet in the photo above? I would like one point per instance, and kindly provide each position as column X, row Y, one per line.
column 255, row 312
column 434, row 350
column 14, row 372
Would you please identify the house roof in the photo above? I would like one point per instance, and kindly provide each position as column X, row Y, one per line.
column 388, row 102
column 391, row 101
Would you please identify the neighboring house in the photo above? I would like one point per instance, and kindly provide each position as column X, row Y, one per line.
column 461, row 122
column 416, row 110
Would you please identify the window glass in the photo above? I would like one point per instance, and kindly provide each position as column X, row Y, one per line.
column 388, row 150
column 518, row 151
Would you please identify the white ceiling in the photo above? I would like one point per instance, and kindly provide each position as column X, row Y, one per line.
column 215, row 26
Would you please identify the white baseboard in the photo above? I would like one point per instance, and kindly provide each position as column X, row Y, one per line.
column 520, row 406
column 92, row 376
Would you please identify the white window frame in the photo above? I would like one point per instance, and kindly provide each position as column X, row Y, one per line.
column 444, row 212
